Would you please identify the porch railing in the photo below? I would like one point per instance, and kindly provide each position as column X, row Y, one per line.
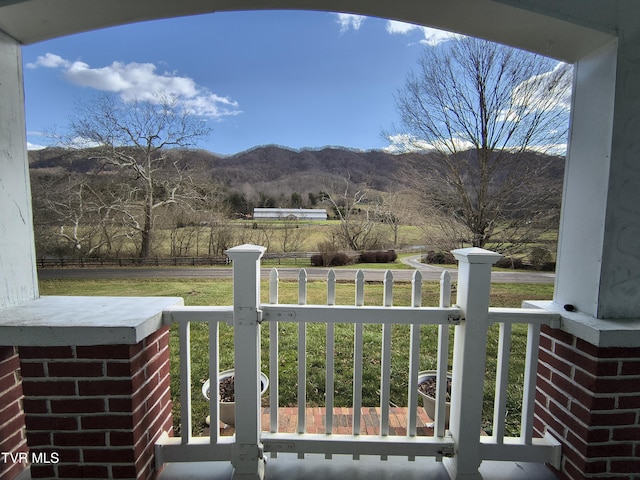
column 461, row 445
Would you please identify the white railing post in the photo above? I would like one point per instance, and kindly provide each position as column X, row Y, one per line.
column 469, row 358
column 247, row 456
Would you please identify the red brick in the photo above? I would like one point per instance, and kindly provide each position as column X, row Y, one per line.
column 7, row 353
column 558, row 335
column 75, row 369
column 550, row 390
column 571, row 455
column 104, row 387
column 156, row 364
column 50, row 423
column 625, row 466
column 545, row 341
column 83, row 471
column 630, row 367
column 599, row 435
column 27, row 353
column 123, row 471
column 10, row 411
column 121, row 439
column 42, row 471
column 11, row 396
column 577, row 358
column 119, row 369
column 11, row 471
column 571, row 389
column 610, row 450
column 120, row 404
column 631, row 433
column 78, row 405
column 8, row 382
column 595, row 467
column 555, row 363
column 39, row 439
column 108, row 455
column 613, row 419
column 602, row 403
column 35, row 405
column 568, row 420
column 79, row 439
column 106, row 422
column 32, row 369
column 608, row 384
column 103, row 352
column 48, row 388
column 628, row 402
column 580, row 413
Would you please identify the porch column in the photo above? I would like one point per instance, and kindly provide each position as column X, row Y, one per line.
column 469, row 358
column 13, row 444
column 247, row 457
column 95, row 377
column 18, row 281
column 589, row 370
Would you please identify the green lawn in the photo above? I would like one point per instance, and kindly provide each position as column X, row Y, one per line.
column 212, row 292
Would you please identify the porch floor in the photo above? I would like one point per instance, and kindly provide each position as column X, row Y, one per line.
column 342, row 421
column 341, row 467
column 288, row 467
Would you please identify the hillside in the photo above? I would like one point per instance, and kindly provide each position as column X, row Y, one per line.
column 270, row 168
column 267, row 168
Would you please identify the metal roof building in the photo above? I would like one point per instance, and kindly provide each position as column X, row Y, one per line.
column 290, row 213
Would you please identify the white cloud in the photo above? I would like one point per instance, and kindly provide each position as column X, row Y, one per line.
column 432, row 36
column 141, row 81
column 404, row 143
column 348, row 20
column 535, row 90
column 33, row 146
column 49, row 60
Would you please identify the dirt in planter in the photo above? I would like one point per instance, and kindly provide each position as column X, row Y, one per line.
column 428, row 387
column 227, row 389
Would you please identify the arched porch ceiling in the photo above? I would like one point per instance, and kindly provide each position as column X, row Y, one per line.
column 567, row 31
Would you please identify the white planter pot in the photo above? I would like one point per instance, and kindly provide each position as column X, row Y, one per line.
column 228, row 409
column 428, row 402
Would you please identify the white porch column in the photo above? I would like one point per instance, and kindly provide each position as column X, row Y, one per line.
column 247, row 457
column 599, row 250
column 18, row 282
column 469, row 358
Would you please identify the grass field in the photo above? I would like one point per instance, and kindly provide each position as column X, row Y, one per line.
column 211, row 292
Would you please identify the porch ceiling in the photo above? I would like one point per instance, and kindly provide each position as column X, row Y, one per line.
column 567, row 32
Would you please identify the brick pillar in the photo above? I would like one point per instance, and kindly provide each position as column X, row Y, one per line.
column 12, row 437
column 589, row 398
column 97, row 410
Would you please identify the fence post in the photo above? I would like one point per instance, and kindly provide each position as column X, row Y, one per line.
column 469, row 358
column 247, row 457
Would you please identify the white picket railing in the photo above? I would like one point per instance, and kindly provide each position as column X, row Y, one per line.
column 461, row 445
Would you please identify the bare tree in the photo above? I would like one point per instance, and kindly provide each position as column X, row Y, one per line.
column 485, row 113
column 138, row 137
column 77, row 212
column 357, row 229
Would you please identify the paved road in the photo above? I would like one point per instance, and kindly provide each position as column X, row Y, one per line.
column 429, row 272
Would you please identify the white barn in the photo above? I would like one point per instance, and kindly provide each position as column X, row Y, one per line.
column 291, row 213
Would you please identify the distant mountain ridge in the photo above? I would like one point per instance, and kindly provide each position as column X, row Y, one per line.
column 269, row 168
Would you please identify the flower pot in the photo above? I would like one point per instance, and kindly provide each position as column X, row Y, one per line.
column 428, row 401
column 228, row 409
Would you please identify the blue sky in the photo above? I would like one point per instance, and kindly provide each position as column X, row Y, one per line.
column 298, row 79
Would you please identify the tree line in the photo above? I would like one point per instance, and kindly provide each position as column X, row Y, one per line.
column 474, row 165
